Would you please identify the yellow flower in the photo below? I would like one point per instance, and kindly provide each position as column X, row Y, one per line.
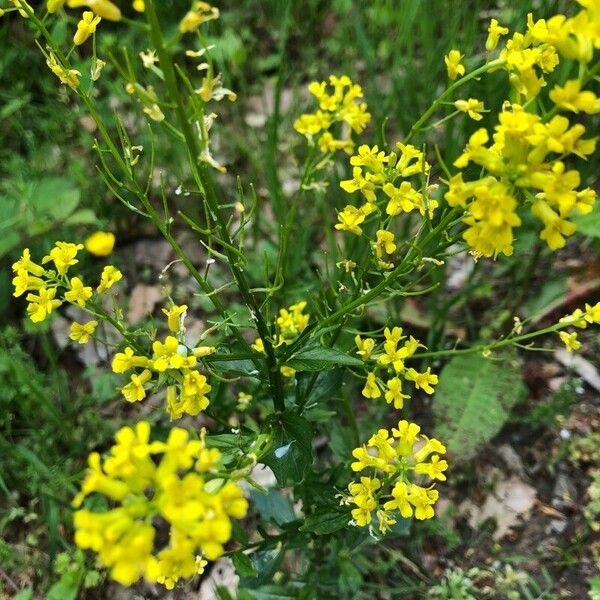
column 435, row 469
column 494, row 33
column 110, row 275
column 402, row 199
column 86, row 27
column 365, row 347
column 25, row 263
column 423, row 381
column 139, row 5
column 287, row 371
column 423, row 500
column 123, row 361
column 103, row 8
column 175, row 316
column 453, row 64
column 63, row 255
column 384, row 243
column 350, row 220
column 472, row 107
column 78, row 293
column 134, row 391
column 570, row 340
column 258, row 345
column 24, row 281
column 200, row 13
column 42, row 304
column 100, row 243
column 400, row 501
column 170, row 355
column 371, row 389
column 194, row 390
column 394, row 393
column 82, row 333
column 592, row 313
column 570, row 97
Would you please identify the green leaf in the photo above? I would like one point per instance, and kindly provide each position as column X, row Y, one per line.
column 589, row 224
column 326, row 385
column 291, row 451
column 321, row 359
column 24, row 594
column 85, row 216
column 67, row 587
column 325, row 521
column 243, row 565
column 473, row 400
column 272, row 506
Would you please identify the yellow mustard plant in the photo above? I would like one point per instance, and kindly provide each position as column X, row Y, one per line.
column 178, row 487
column 86, row 27
column 393, row 466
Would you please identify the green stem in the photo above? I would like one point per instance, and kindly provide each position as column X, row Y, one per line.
column 203, row 176
column 493, row 64
column 495, row 345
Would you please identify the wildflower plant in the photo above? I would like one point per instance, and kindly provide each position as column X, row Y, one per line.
column 158, row 504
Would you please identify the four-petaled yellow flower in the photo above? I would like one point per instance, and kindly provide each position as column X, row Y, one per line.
column 100, row 243
column 81, row 333
column 86, row 27
column 453, row 64
column 472, row 107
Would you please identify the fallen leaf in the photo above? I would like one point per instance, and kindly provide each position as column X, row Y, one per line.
column 584, row 368
column 142, row 302
column 511, row 500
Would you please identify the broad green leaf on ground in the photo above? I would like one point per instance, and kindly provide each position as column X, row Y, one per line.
column 473, row 400
column 321, row 359
column 291, row 451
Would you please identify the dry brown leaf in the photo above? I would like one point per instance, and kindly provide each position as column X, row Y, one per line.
column 511, row 500
column 584, row 368
column 143, row 301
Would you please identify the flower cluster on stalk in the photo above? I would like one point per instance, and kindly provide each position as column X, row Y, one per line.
column 172, row 506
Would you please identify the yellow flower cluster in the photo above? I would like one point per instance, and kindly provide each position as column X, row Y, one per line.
column 390, row 356
column 175, row 485
column 338, row 103
column 527, row 57
column 525, row 155
column 580, row 319
column 375, row 171
column 172, row 362
column 50, row 286
column 290, row 323
column 395, row 461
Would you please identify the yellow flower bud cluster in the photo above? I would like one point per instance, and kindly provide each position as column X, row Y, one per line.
column 50, row 286
column 290, row 323
column 374, row 171
column 526, row 155
column 580, row 319
column 176, row 486
column 395, row 461
column 390, row 356
column 338, row 103
column 171, row 361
